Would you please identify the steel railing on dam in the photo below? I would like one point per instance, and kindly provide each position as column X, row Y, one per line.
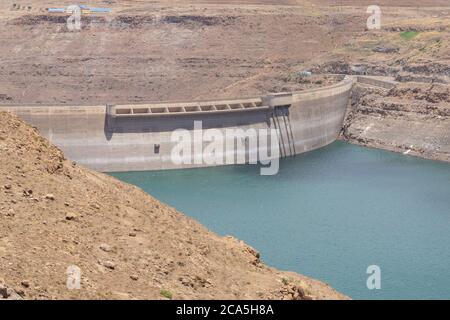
column 139, row 136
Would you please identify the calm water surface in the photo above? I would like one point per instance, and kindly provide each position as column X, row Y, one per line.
column 329, row 214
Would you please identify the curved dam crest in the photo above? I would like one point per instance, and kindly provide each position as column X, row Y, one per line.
column 114, row 138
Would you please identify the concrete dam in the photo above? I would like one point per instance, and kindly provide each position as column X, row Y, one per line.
column 137, row 137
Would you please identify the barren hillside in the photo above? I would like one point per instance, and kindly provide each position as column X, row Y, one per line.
column 147, row 51
column 415, row 117
column 55, row 214
column 172, row 50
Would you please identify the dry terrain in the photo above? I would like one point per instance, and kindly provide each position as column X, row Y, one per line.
column 146, row 51
column 413, row 118
column 55, row 214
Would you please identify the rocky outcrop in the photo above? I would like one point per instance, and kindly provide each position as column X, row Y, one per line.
column 341, row 67
column 427, row 72
column 7, row 293
column 413, row 118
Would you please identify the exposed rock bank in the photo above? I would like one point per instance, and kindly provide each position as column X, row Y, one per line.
column 413, row 118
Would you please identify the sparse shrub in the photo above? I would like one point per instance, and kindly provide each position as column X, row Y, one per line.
column 167, row 294
column 408, row 35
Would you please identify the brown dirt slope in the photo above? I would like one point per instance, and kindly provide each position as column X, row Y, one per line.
column 146, row 51
column 177, row 50
column 54, row 214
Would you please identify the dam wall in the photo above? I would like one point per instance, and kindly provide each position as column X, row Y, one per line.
column 138, row 137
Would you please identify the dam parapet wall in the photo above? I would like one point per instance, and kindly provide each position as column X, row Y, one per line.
column 138, row 137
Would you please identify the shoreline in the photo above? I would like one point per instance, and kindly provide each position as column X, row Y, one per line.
column 399, row 150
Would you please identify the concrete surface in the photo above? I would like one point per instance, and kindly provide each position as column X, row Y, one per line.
column 95, row 136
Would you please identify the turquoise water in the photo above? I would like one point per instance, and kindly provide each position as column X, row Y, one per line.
column 329, row 214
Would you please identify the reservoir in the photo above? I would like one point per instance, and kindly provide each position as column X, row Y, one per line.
column 329, row 214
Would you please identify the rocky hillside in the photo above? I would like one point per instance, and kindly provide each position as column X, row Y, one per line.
column 414, row 49
column 55, row 214
column 413, row 118
column 161, row 50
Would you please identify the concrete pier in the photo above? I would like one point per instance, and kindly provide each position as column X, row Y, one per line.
column 137, row 137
